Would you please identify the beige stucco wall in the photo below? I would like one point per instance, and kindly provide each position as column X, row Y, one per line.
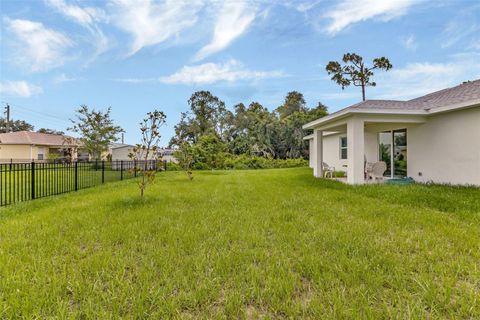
column 27, row 152
column 15, row 152
column 446, row 148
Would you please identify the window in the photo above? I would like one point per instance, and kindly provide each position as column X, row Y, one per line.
column 40, row 153
column 343, row 148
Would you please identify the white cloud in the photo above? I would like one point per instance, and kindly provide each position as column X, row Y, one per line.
column 232, row 21
column 19, row 88
column 153, row 23
column 464, row 26
column 86, row 17
column 36, row 47
column 409, row 42
column 417, row 79
column 209, row 73
column 135, row 80
column 61, row 78
column 352, row 11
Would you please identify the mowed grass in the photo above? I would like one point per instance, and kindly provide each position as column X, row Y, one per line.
column 16, row 185
column 243, row 244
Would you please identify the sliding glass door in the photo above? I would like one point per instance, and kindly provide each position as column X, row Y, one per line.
column 393, row 150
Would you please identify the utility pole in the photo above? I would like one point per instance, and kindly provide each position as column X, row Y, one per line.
column 7, row 115
column 122, row 139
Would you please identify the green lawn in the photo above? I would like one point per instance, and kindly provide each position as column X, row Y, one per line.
column 247, row 244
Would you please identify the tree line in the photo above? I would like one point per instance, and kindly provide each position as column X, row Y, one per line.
column 247, row 130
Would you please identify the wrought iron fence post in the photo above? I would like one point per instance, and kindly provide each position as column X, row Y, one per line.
column 165, row 165
column 134, row 167
column 103, row 171
column 76, row 175
column 121, row 169
column 32, row 166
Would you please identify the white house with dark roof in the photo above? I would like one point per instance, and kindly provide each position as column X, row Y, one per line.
column 433, row 138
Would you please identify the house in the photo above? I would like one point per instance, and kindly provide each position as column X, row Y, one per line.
column 122, row 151
column 432, row 138
column 167, row 154
column 35, row 146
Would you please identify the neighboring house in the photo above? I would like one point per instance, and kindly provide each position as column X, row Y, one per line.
column 433, row 138
column 167, row 155
column 121, row 151
column 34, row 146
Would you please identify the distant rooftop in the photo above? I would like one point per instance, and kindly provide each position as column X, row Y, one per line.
column 34, row 138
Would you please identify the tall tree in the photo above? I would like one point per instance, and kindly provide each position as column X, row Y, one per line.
column 354, row 71
column 50, row 131
column 14, row 125
column 294, row 102
column 96, row 129
column 207, row 115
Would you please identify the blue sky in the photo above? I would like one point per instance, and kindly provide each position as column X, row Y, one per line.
column 136, row 56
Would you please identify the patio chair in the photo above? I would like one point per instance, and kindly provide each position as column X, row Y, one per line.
column 327, row 170
column 377, row 171
column 368, row 169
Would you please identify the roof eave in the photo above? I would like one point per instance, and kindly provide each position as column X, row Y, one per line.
column 347, row 112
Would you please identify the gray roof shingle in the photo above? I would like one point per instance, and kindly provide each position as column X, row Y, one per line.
column 464, row 92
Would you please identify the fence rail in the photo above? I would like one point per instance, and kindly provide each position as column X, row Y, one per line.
column 22, row 181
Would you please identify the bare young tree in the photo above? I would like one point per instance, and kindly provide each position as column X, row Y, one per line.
column 145, row 153
column 355, row 72
column 185, row 158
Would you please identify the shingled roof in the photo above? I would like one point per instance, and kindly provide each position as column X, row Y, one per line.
column 464, row 95
column 34, row 138
column 467, row 91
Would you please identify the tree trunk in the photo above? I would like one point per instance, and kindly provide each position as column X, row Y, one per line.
column 363, row 90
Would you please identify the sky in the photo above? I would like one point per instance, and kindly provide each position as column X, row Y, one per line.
column 137, row 56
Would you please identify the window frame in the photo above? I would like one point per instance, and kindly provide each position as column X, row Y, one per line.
column 341, row 147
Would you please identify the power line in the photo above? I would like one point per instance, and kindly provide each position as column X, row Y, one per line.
column 37, row 112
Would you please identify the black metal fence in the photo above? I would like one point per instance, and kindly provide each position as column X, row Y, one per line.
column 22, row 181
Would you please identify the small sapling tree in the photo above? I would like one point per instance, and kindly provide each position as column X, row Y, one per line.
column 185, row 158
column 145, row 154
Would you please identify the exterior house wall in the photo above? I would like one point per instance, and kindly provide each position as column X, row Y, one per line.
column 12, row 151
column 446, row 148
column 311, row 153
column 121, row 153
column 331, row 150
column 22, row 152
column 28, row 152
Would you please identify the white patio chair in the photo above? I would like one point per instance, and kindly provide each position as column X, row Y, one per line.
column 327, row 170
column 368, row 169
column 377, row 171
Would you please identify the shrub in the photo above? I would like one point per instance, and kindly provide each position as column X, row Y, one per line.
column 255, row 162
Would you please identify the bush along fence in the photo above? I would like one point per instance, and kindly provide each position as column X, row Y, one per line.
column 21, row 181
